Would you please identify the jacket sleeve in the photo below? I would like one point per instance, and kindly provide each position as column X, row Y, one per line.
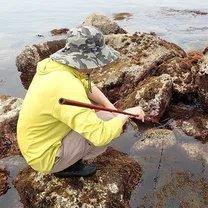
column 84, row 120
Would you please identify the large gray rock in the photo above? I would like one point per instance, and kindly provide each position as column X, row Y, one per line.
column 111, row 186
column 103, row 23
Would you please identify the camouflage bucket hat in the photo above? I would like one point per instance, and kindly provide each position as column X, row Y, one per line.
column 85, row 49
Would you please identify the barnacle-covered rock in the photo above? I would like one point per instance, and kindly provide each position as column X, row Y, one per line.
column 9, row 111
column 141, row 54
column 111, row 186
column 153, row 95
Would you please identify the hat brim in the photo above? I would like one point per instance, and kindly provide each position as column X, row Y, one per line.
column 82, row 60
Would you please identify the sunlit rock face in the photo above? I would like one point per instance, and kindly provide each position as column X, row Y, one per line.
column 111, row 186
column 202, row 82
column 141, row 53
column 9, row 111
column 183, row 72
column 103, row 23
column 153, row 95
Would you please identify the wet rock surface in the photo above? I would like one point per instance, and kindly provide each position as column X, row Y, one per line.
column 153, row 95
column 192, row 121
column 116, row 177
column 4, row 186
column 103, row 23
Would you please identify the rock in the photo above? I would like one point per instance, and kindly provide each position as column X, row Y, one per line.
column 122, row 16
column 141, row 54
column 9, row 107
column 27, row 60
column 153, row 95
column 196, row 151
column 40, row 36
column 195, row 56
column 183, row 72
column 202, row 84
column 192, row 121
column 9, row 110
column 205, row 50
column 111, row 186
column 60, row 31
column 103, row 23
column 4, row 185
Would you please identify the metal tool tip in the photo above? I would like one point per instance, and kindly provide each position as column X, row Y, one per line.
column 61, row 101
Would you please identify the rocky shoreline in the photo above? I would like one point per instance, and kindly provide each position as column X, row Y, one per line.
column 169, row 83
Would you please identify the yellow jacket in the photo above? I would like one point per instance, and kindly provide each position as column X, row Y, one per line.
column 43, row 122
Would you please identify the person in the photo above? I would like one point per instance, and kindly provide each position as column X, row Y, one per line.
column 56, row 138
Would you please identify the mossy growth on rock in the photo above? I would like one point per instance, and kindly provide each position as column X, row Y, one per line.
column 153, row 95
column 111, row 186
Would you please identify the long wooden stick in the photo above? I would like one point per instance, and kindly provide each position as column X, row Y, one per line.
column 64, row 101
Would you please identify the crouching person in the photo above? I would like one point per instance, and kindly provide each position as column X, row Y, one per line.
column 56, row 138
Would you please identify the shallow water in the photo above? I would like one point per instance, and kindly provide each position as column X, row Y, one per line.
column 21, row 22
column 165, row 168
column 13, row 164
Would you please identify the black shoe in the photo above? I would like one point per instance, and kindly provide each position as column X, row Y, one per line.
column 78, row 169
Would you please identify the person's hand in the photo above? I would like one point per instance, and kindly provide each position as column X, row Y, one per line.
column 136, row 110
